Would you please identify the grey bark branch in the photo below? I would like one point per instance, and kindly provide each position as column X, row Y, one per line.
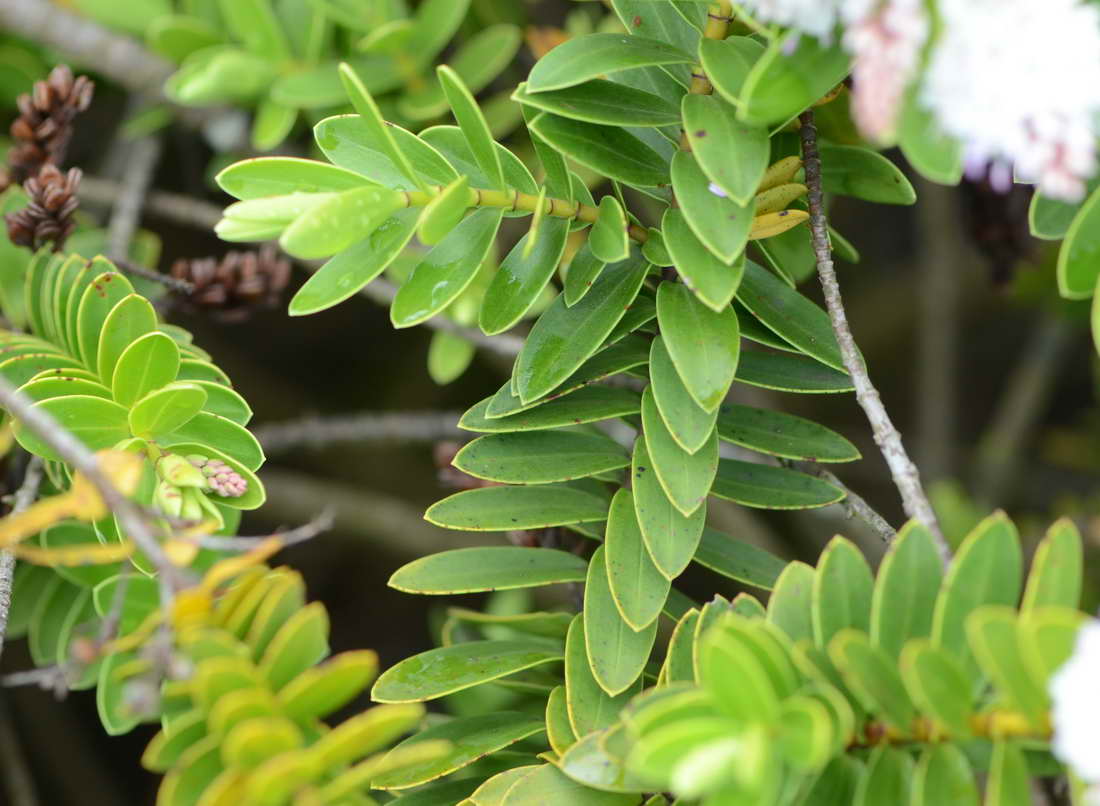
column 316, row 432
column 133, row 520
column 24, row 497
column 904, row 472
column 141, row 162
column 855, row 506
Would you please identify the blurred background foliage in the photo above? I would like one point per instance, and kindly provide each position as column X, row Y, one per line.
column 992, row 379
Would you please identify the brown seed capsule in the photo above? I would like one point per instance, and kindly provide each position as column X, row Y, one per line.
column 48, row 217
column 237, row 284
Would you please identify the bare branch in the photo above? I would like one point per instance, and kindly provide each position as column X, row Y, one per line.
column 24, row 497
column 289, row 537
column 316, row 432
column 166, row 280
column 904, row 472
column 141, row 161
column 855, row 506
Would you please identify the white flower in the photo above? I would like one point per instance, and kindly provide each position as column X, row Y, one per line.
column 814, row 17
column 1076, row 711
column 1018, row 82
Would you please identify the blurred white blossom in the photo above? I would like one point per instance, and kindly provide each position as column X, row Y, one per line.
column 1076, row 710
column 814, row 17
column 1018, row 82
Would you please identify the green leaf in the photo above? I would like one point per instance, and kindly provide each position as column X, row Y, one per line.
column 842, row 591
column 688, row 423
column 1056, row 569
column 873, row 677
column 985, row 570
column 806, row 735
column 253, row 498
column 341, row 221
column 470, row 738
column 452, row 144
column 587, row 57
column 944, row 776
column 661, row 22
column 564, row 338
column 1079, row 257
column 704, row 345
column 708, row 277
column 789, row 606
column 377, row 129
column 443, row 213
column 769, row 487
column 276, row 176
column 324, row 689
column 589, row 762
column 727, row 63
column 272, row 123
column 937, row 684
column 539, row 457
column 780, row 434
column 616, row 653
column 637, row 585
column 719, row 223
column 906, row 588
column 790, row 373
column 608, row 239
column 864, row 174
column 736, row 677
column 589, row 707
column 473, row 125
column 110, row 696
column 793, row 73
column 133, row 316
column 355, row 143
column 488, row 569
column 790, row 315
column 603, row 102
column 149, row 363
column 887, row 779
column 586, row 405
column 679, row 664
column 548, row 784
column 934, row 154
column 345, row 274
column 584, row 268
column 738, row 560
column 492, row 509
column 164, row 410
column 670, row 537
column 1050, row 219
column 231, row 439
column 686, row 478
column 448, row 669
column 609, row 150
column 1047, row 639
column 72, row 534
column 224, row 402
column 1009, row 782
column 521, row 278
column 447, row 270
column 96, row 422
column 558, row 728
column 995, row 641
column 493, row 791
column 733, row 154
column 254, row 23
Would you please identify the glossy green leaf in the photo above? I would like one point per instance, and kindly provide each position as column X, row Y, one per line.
column 164, row 410
column 616, row 653
column 664, row 23
column 521, row 278
column 608, row 150
column 548, row 784
column 355, row 143
column 96, row 422
column 539, row 457
column 450, row 142
column 709, row 278
column 686, row 478
column 806, row 734
column 604, row 102
column 254, row 23
column 790, row 315
column 1050, row 219
column 738, row 560
column 732, row 153
column 297, row 646
column 565, row 337
column 132, row 317
column 585, row 405
column 670, row 537
column 111, row 696
column 22, row 368
column 341, row 221
column 934, row 154
column 986, row 570
column 324, row 689
column 488, row 568
column 590, row 762
column 345, row 274
column 445, row 670
column 608, row 239
column 589, row 707
column 887, row 779
column 842, row 591
column 150, row 362
column 492, row 509
column 727, row 63
column 470, row 737
column 558, row 728
column 584, row 268
column 995, row 641
column 718, row 222
column 944, row 776
column 1079, row 257
column 937, row 685
column 793, row 73
column 1009, row 782
column 638, row 586
column 473, row 125
column 790, row 605
column 738, row 680
column 906, row 589
column 873, row 677
column 224, row 402
column 449, row 355
column 768, row 487
column 276, row 176
column 587, row 57
column 780, row 434
column 1048, row 638
column 689, row 424
column 1056, row 569
column 371, row 117
column 704, row 345
column 864, row 174
column 790, row 373
column 443, row 213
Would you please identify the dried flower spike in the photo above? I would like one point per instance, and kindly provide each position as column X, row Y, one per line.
column 48, row 216
column 223, row 479
column 237, row 283
column 44, row 127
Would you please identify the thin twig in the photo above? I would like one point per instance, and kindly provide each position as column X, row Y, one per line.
column 855, row 506
column 132, row 519
column 904, row 472
column 289, row 537
column 24, row 497
column 141, row 161
column 316, row 432
column 166, row 280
